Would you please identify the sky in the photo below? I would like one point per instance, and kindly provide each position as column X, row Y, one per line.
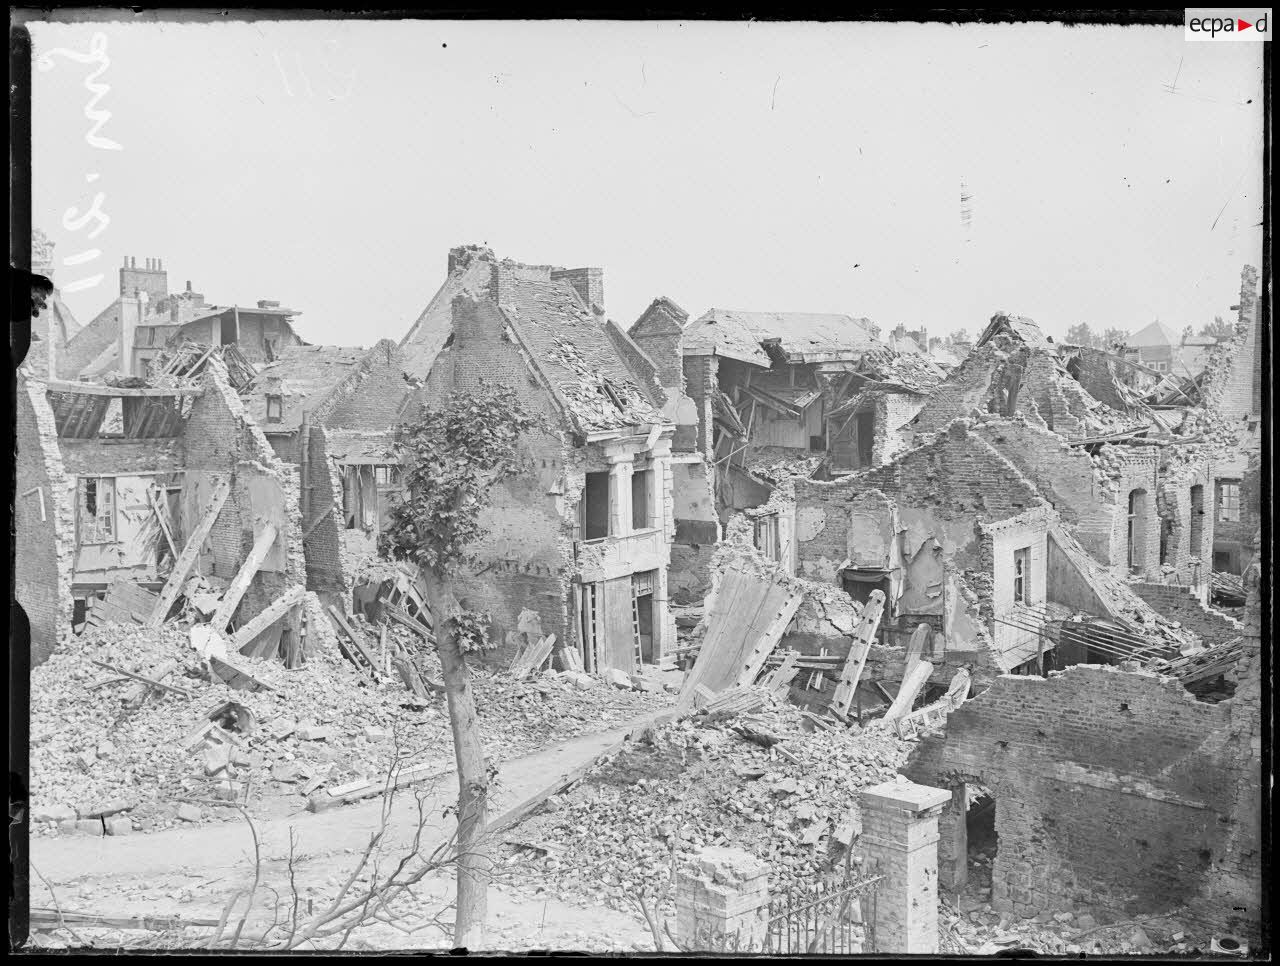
column 1113, row 175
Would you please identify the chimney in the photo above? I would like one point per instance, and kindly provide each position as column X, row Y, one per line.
column 587, row 282
column 188, row 285
column 131, row 310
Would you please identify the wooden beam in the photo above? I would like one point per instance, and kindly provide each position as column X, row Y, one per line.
column 183, row 565
column 346, row 628
column 268, row 617
column 164, row 524
column 97, row 389
column 231, row 599
column 138, row 677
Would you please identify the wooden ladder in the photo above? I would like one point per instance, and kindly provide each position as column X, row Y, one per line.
column 635, row 629
column 182, row 566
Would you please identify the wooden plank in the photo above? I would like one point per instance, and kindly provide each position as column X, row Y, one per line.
column 536, row 656
column 860, row 646
column 240, row 584
column 346, row 628
column 184, row 563
column 234, row 677
column 768, row 640
column 916, row 677
column 98, row 389
column 53, row 918
column 268, row 616
column 355, row 791
column 400, row 617
column 163, row 521
column 915, row 646
column 724, row 630
column 139, row 677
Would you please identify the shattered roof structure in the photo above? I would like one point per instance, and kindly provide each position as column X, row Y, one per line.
column 303, row 376
column 1023, row 329
column 799, row 336
column 1015, row 368
column 564, row 340
column 572, row 350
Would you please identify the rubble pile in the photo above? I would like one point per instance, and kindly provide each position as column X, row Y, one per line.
column 94, row 758
column 622, row 830
column 970, row 927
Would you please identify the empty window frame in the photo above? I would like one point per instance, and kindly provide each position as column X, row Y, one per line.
column 275, row 408
column 96, row 509
column 1229, row 501
column 595, row 507
column 1022, row 576
column 641, row 497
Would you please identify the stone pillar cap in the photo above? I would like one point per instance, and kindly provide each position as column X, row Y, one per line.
column 726, row 864
column 905, row 795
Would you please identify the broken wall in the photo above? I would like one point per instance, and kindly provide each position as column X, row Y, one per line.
column 525, row 558
column 697, row 530
column 224, row 443
column 44, row 521
column 1181, row 603
column 893, row 412
column 1114, row 790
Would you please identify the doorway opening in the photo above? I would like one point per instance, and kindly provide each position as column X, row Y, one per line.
column 981, row 840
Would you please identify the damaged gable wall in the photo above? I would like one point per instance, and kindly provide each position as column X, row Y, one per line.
column 920, row 519
column 526, row 554
column 222, row 442
column 1114, row 790
column 44, row 516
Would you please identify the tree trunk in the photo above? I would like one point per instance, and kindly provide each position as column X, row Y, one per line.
column 473, row 778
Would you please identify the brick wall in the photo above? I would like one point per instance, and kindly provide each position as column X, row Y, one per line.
column 701, row 376
column 372, row 395
column 106, row 457
column 323, row 547
column 1113, row 789
column 894, row 410
column 222, row 441
column 526, row 554
column 1181, row 603
column 44, row 546
column 89, row 343
column 658, row 333
column 643, row 368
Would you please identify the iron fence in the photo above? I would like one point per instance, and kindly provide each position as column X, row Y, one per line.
column 832, row 915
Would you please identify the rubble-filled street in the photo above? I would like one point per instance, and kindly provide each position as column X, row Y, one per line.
column 876, row 566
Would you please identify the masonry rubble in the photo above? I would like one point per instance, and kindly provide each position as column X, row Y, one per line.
column 844, row 566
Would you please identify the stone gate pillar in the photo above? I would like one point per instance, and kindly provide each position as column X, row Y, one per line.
column 900, row 838
column 723, row 899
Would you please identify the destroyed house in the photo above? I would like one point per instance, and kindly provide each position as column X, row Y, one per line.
column 578, row 545
column 773, row 386
column 332, row 411
column 1015, row 368
column 128, row 492
column 953, row 535
column 1115, row 791
column 146, row 320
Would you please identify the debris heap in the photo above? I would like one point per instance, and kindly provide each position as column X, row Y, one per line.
column 96, row 751
column 620, row 832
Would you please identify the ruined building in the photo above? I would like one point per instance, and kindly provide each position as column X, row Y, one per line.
column 131, row 334
column 113, row 481
column 579, row 545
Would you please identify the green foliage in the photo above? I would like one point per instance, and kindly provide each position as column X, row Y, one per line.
column 1080, row 334
column 1219, row 328
column 470, row 629
column 452, row 455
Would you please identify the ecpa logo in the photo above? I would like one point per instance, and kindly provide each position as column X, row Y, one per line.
column 1229, row 24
